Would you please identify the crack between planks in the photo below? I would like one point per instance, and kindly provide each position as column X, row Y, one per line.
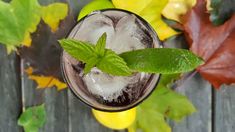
column 213, row 109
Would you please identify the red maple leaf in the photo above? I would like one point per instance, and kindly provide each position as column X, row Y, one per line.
column 215, row 44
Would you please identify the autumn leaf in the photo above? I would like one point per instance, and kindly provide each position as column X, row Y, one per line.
column 45, row 81
column 150, row 10
column 215, row 44
column 33, row 118
column 163, row 103
column 175, row 8
column 53, row 13
column 19, row 18
column 43, row 56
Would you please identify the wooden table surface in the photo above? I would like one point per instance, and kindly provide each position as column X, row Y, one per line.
column 65, row 113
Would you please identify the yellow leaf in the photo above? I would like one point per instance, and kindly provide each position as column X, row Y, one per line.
column 175, row 8
column 27, row 40
column 45, row 81
column 52, row 14
column 131, row 128
column 10, row 48
column 150, row 10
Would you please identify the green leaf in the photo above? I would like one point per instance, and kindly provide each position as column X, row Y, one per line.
column 163, row 103
column 111, row 63
column 150, row 120
column 161, row 60
column 94, row 5
column 33, row 118
column 100, row 45
column 19, row 18
column 80, row 50
column 90, row 64
column 221, row 11
column 13, row 24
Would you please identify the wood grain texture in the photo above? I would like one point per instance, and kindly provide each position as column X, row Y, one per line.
column 224, row 109
column 199, row 92
column 55, row 102
column 10, row 91
column 81, row 118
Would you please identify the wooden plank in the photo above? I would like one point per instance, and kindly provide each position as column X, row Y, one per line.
column 55, row 102
column 81, row 118
column 224, row 112
column 10, row 91
column 199, row 92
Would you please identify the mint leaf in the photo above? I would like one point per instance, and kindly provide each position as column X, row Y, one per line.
column 80, row 50
column 33, row 118
column 105, row 59
column 90, row 64
column 161, row 60
column 113, row 64
column 100, row 45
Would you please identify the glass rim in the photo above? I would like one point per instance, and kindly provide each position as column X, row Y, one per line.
column 85, row 101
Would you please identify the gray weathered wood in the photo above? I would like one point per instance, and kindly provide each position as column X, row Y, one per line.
column 224, row 112
column 55, row 102
column 10, row 91
column 81, row 118
column 199, row 92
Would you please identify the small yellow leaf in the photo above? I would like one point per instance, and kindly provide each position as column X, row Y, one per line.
column 53, row 13
column 150, row 10
column 10, row 48
column 175, row 8
column 27, row 40
column 45, row 81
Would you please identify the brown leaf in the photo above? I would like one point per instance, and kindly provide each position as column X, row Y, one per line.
column 215, row 44
column 43, row 56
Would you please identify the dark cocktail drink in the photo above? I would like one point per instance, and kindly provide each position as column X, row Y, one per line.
column 125, row 31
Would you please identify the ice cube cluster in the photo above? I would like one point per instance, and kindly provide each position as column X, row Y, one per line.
column 125, row 32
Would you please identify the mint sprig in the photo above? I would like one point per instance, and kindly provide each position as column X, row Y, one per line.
column 96, row 55
column 150, row 60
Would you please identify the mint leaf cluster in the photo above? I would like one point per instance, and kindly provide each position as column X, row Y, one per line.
column 96, row 55
column 149, row 60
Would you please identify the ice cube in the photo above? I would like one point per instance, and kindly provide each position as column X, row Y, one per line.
column 93, row 27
